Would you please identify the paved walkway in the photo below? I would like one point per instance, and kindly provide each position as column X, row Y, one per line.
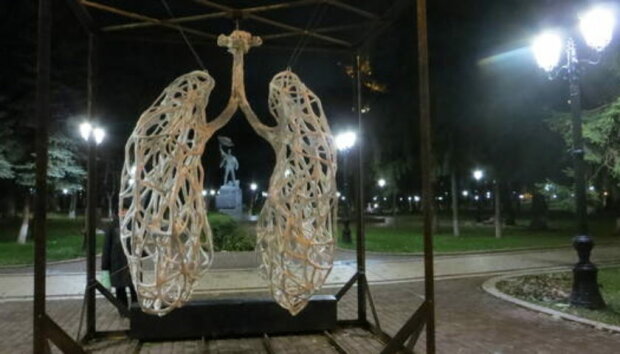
column 468, row 321
column 67, row 281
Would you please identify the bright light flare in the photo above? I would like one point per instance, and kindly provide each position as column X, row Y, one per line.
column 381, row 182
column 253, row 186
column 547, row 48
column 597, row 27
column 85, row 130
column 99, row 135
column 478, row 174
column 346, row 140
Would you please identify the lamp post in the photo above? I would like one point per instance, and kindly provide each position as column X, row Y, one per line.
column 253, row 188
column 478, row 174
column 381, row 183
column 596, row 27
column 93, row 136
column 344, row 142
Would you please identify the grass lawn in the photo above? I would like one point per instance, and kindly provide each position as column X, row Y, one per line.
column 64, row 241
column 64, row 238
column 552, row 290
column 404, row 234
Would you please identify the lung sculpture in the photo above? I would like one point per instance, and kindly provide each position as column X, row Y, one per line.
column 294, row 230
column 165, row 232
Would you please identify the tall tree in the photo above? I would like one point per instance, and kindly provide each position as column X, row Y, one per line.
column 63, row 172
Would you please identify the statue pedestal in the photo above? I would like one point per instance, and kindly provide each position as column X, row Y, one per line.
column 229, row 200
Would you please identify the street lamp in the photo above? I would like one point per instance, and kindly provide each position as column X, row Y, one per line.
column 478, row 174
column 344, row 142
column 253, row 188
column 596, row 27
column 381, row 183
column 93, row 135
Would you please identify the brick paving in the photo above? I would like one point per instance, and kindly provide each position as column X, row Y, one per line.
column 468, row 321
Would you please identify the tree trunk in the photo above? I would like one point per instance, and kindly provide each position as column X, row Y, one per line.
column 23, row 230
column 110, row 197
column 539, row 212
column 73, row 205
column 394, row 204
column 455, row 205
column 11, row 211
column 498, row 214
column 435, row 212
column 53, row 202
column 507, row 204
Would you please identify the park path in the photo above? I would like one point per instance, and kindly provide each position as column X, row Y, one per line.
column 67, row 281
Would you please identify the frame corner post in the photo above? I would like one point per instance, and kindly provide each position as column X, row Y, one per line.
column 44, row 29
column 426, row 160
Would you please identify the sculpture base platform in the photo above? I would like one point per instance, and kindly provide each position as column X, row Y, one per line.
column 229, row 200
column 233, row 318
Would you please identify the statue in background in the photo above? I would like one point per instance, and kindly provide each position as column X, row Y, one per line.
column 230, row 165
column 229, row 199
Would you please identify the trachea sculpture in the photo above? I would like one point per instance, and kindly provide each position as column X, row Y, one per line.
column 164, row 229
column 294, row 230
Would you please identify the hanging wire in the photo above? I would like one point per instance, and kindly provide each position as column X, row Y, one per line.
column 315, row 19
column 189, row 44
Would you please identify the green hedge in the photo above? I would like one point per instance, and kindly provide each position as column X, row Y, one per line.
column 229, row 235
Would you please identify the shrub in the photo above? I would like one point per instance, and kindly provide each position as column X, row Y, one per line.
column 229, row 235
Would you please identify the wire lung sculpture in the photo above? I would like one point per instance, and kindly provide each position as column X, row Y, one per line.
column 294, row 231
column 165, row 233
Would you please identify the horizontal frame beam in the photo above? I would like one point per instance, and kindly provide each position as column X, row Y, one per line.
column 220, row 14
column 274, row 23
column 146, row 39
column 155, row 21
column 353, row 9
column 317, row 30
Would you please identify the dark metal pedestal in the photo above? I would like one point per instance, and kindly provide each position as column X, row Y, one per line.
column 233, row 318
column 585, row 291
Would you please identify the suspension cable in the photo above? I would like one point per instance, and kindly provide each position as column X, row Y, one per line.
column 187, row 41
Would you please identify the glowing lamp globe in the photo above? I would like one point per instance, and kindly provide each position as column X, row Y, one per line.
column 381, row 183
column 597, row 26
column 547, row 48
column 478, row 174
column 345, row 141
column 99, row 135
column 85, row 130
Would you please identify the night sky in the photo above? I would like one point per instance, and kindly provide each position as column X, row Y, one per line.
column 488, row 96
